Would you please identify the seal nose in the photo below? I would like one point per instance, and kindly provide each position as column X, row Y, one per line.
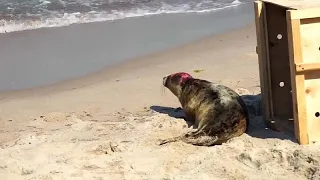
column 164, row 80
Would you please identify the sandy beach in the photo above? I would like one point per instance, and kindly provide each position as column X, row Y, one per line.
column 105, row 125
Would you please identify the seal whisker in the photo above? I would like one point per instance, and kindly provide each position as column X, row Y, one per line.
column 163, row 90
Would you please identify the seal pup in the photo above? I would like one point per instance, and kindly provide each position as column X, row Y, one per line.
column 217, row 112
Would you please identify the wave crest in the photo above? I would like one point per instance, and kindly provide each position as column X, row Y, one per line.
column 65, row 19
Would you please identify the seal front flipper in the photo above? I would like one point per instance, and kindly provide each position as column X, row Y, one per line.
column 189, row 115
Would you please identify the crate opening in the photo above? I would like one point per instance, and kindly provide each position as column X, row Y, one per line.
column 279, row 65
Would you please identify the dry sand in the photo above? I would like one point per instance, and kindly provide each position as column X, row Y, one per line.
column 105, row 126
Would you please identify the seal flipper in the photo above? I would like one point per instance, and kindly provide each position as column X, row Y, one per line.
column 165, row 141
column 198, row 138
column 178, row 138
column 190, row 117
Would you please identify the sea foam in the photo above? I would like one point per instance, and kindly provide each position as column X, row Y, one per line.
column 66, row 19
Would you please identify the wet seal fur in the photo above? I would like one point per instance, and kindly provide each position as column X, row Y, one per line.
column 217, row 111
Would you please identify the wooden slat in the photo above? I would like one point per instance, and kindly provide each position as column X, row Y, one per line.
column 295, row 4
column 312, row 95
column 261, row 31
column 297, row 80
column 310, row 43
column 305, row 13
column 302, row 67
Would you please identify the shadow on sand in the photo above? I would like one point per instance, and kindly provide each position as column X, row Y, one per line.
column 257, row 127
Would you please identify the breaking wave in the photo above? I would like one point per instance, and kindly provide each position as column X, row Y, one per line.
column 35, row 14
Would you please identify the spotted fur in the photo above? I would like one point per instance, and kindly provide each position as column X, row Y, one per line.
column 217, row 111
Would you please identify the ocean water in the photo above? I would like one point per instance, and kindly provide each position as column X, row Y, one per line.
column 17, row 15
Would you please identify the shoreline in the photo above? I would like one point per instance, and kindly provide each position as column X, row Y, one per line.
column 49, row 60
column 121, row 68
column 142, row 76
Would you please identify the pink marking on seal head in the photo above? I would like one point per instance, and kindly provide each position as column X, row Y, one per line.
column 184, row 76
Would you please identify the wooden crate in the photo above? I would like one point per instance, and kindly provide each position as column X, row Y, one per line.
column 288, row 47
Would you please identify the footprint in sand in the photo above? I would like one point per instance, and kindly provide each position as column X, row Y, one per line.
column 17, row 167
column 80, row 125
column 246, row 159
column 55, row 117
column 109, row 148
column 30, row 139
column 64, row 116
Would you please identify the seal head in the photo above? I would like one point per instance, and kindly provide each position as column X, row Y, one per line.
column 173, row 82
